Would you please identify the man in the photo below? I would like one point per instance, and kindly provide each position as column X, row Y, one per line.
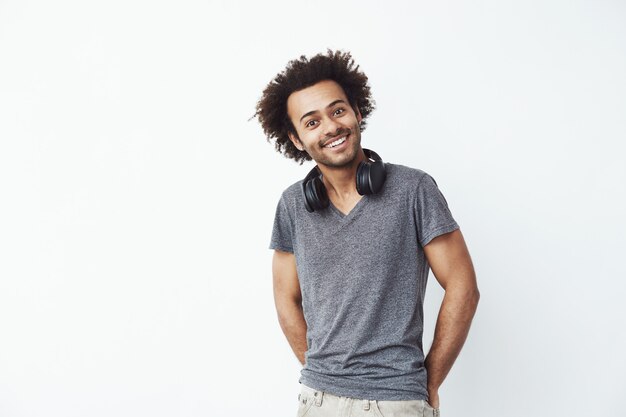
column 353, row 244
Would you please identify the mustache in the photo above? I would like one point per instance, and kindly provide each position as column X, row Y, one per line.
column 338, row 133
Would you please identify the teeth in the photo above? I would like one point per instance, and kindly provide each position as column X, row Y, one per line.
column 337, row 142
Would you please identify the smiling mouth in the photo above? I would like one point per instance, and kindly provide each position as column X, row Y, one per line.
column 337, row 142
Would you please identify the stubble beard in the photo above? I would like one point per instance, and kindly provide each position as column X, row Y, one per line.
column 354, row 143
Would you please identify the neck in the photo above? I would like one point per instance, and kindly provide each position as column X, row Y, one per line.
column 341, row 181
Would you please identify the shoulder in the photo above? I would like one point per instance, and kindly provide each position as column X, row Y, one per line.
column 404, row 176
column 291, row 196
column 293, row 190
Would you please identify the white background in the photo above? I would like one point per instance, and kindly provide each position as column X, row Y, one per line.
column 137, row 199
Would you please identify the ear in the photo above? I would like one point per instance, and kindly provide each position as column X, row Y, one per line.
column 296, row 142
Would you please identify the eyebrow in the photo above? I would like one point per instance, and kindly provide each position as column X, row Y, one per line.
column 315, row 111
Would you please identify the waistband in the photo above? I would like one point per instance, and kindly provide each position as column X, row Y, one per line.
column 317, row 396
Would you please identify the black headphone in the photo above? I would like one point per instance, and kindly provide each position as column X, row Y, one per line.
column 370, row 177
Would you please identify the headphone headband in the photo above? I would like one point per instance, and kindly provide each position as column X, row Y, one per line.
column 370, row 177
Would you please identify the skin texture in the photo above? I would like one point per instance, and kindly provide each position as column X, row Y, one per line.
column 451, row 265
column 316, row 123
column 447, row 254
column 320, row 126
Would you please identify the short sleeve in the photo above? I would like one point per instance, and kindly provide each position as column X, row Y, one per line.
column 432, row 214
column 282, row 232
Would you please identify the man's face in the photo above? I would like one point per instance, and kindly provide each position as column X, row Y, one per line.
column 321, row 115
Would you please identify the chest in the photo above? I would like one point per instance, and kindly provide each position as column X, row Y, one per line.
column 363, row 234
column 345, row 206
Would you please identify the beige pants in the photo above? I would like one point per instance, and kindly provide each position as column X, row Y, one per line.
column 315, row 403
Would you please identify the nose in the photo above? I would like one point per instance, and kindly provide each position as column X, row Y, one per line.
column 332, row 128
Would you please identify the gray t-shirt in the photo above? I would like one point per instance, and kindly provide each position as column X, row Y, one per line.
column 363, row 278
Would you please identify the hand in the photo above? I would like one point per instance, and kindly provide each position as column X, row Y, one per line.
column 433, row 398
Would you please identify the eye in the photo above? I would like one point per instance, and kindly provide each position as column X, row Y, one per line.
column 339, row 109
column 308, row 124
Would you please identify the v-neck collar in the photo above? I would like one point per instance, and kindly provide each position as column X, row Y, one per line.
column 355, row 209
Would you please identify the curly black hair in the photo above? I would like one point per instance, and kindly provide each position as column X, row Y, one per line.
column 301, row 73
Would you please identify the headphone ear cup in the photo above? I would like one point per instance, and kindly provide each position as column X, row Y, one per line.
column 308, row 199
column 362, row 178
column 370, row 176
column 377, row 176
column 315, row 196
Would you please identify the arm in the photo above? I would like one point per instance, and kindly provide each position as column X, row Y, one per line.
column 452, row 266
column 288, row 300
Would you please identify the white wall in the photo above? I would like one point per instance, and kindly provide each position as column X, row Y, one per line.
column 136, row 199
